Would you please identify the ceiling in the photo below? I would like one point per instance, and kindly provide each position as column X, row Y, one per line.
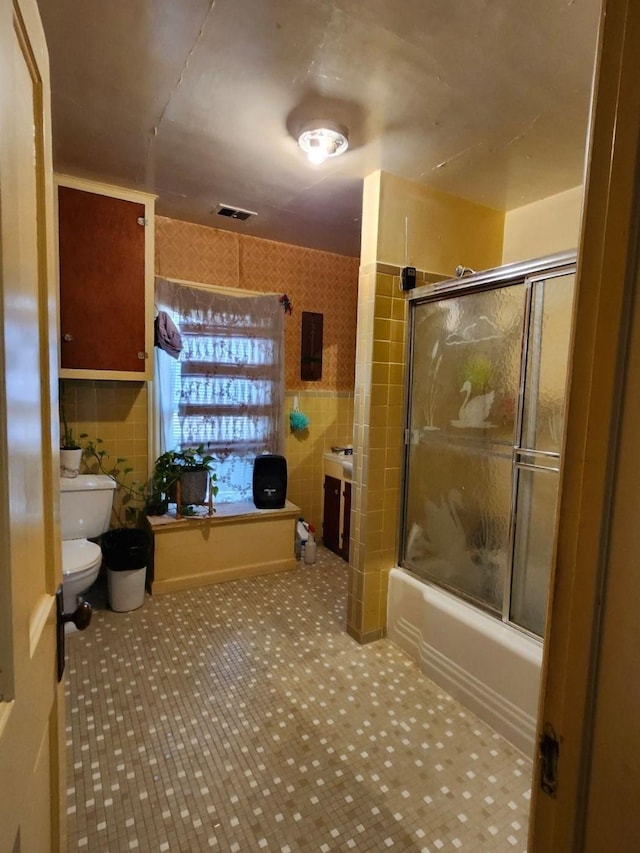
column 200, row 101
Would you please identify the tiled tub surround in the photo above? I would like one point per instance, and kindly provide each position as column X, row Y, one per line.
column 378, row 441
column 242, row 717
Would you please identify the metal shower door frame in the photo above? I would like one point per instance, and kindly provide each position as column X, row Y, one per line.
column 527, row 274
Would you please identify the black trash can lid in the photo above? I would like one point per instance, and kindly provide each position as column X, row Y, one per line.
column 125, row 548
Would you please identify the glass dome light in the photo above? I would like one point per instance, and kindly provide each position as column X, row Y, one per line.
column 322, row 139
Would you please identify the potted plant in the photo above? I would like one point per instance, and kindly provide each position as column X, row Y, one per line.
column 133, row 494
column 70, row 450
column 184, row 477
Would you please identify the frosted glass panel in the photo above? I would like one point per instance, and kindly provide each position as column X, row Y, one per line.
column 485, row 423
column 547, row 359
column 542, row 427
column 464, row 388
column 458, row 518
column 466, row 365
column 533, row 550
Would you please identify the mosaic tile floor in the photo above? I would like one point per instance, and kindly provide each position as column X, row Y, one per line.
column 241, row 717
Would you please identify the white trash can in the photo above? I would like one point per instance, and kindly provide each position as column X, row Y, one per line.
column 126, row 589
column 126, row 553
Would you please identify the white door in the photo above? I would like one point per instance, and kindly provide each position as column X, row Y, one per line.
column 31, row 700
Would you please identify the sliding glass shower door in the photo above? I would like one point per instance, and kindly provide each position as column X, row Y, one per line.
column 484, row 427
column 538, row 446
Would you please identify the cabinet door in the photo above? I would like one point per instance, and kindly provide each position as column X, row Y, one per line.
column 346, row 520
column 102, row 281
column 331, row 517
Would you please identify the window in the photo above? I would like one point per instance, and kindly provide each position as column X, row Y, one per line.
column 226, row 388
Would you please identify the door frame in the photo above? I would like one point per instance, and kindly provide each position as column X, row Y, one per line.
column 605, row 287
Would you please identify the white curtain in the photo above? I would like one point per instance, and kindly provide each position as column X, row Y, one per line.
column 226, row 390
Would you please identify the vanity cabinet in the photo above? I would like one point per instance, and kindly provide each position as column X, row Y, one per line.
column 346, row 520
column 105, row 252
column 336, row 519
column 331, row 514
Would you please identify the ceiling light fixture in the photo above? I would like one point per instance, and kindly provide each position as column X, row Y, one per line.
column 322, row 139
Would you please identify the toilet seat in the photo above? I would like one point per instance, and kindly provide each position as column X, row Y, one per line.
column 78, row 556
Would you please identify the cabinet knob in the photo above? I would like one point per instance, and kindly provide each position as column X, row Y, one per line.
column 143, row 355
column 68, row 337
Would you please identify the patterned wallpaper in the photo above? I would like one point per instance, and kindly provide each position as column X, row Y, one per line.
column 314, row 281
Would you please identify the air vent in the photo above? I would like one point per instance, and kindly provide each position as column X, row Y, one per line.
column 234, row 212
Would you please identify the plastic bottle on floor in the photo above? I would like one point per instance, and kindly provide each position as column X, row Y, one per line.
column 310, row 549
column 302, row 534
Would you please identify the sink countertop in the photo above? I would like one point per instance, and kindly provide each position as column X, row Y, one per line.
column 345, row 461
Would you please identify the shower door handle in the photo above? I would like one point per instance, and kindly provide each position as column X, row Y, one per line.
column 548, row 753
column 81, row 617
column 524, row 458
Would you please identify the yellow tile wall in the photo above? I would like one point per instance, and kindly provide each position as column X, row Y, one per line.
column 331, row 424
column 116, row 412
column 378, row 432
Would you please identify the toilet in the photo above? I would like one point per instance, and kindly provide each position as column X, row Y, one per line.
column 85, row 510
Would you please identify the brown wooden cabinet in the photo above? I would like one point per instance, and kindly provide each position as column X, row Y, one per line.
column 105, row 243
column 346, row 520
column 331, row 514
column 336, row 520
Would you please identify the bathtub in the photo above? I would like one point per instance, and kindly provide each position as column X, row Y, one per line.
column 491, row 668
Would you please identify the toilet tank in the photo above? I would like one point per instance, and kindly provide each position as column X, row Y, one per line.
column 85, row 505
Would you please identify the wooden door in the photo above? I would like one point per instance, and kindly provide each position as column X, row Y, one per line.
column 31, row 700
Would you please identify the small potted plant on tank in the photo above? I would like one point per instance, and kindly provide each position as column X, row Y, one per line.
column 184, row 477
column 70, row 450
